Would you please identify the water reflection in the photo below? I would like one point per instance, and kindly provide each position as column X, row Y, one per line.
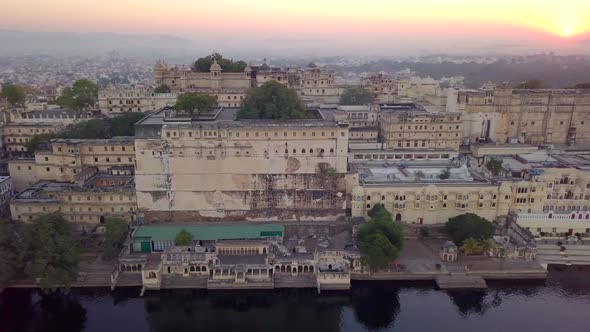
column 468, row 302
column 376, row 306
column 289, row 310
column 368, row 306
column 29, row 310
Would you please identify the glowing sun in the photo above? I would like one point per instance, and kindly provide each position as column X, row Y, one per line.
column 567, row 30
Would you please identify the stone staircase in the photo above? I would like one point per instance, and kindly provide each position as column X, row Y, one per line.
column 170, row 281
column 574, row 254
column 307, row 280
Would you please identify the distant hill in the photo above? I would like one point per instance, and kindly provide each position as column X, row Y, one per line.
column 69, row 43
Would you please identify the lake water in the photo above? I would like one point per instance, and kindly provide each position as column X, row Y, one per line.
column 560, row 304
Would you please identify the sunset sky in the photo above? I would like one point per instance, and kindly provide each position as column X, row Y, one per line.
column 535, row 19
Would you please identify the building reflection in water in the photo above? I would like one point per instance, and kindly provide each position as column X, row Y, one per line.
column 30, row 310
column 281, row 310
column 375, row 306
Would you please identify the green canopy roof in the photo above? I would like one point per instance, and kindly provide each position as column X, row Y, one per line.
column 208, row 233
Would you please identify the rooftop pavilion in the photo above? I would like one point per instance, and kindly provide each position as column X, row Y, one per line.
column 397, row 155
column 98, row 182
column 379, row 173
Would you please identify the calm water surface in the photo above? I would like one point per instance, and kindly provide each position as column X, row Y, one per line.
column 560, row 304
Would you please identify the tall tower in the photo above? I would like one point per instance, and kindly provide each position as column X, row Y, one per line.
column 215, row 76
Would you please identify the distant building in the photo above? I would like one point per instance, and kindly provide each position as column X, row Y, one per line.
column 121, row 99
column 63, row 159
column 410, row 126
column 16, row 135
column 58, row 116
column 6, row 193
column 87, row 204
column 504, row 115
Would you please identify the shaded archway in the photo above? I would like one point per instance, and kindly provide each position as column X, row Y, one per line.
column 398, row 217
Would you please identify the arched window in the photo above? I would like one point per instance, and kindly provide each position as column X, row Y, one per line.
column 331, row 150
column 302, row 150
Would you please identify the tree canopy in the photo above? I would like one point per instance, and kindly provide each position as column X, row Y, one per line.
column 272, row 100
column 445, row 174
column 356, row 96
column 494, row 166
column 116, row 229
column 475, row 246
column 533, row 84
column 162, row 89
column 183, row 238
column 124, row 124
column 15, row 95
column 228, row 65
column 50, row 253
column 469, row 225
column 380, row 239
column 10, row 260
column 80, row 97
column 195, row 103
column 120, row 125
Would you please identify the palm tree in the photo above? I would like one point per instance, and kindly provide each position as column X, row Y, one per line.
column 470, row 246
column 486, row 245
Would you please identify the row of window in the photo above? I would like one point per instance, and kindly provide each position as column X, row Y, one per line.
column 88, row 198
column 31, row 130
column 255, row 134
column 416, row 127
column 460, row 197
column 443, row 205
column 423, row 143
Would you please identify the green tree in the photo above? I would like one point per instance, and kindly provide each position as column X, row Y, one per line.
column 376, row 254
column 51, row 254
column 15, row 95
column 375, row 210
column 162, row 89
column 10, row 260
column 494, row 166
column 80, row 97
column 91, row 129
column 533, row 84
column 195, row 103
column 227, row 65
column 419, row 175
column 116, row 230
column 272, row 100
column 356, row 96
column 124, row 125
column 469, row 225
column 36, row 140
column 183, row 238
column 445, row 174
column 471, row 246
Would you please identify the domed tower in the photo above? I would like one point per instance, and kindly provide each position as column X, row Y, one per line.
column 215, row 75
column 248, row 71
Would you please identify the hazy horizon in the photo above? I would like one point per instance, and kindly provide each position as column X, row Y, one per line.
column 327, row 27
